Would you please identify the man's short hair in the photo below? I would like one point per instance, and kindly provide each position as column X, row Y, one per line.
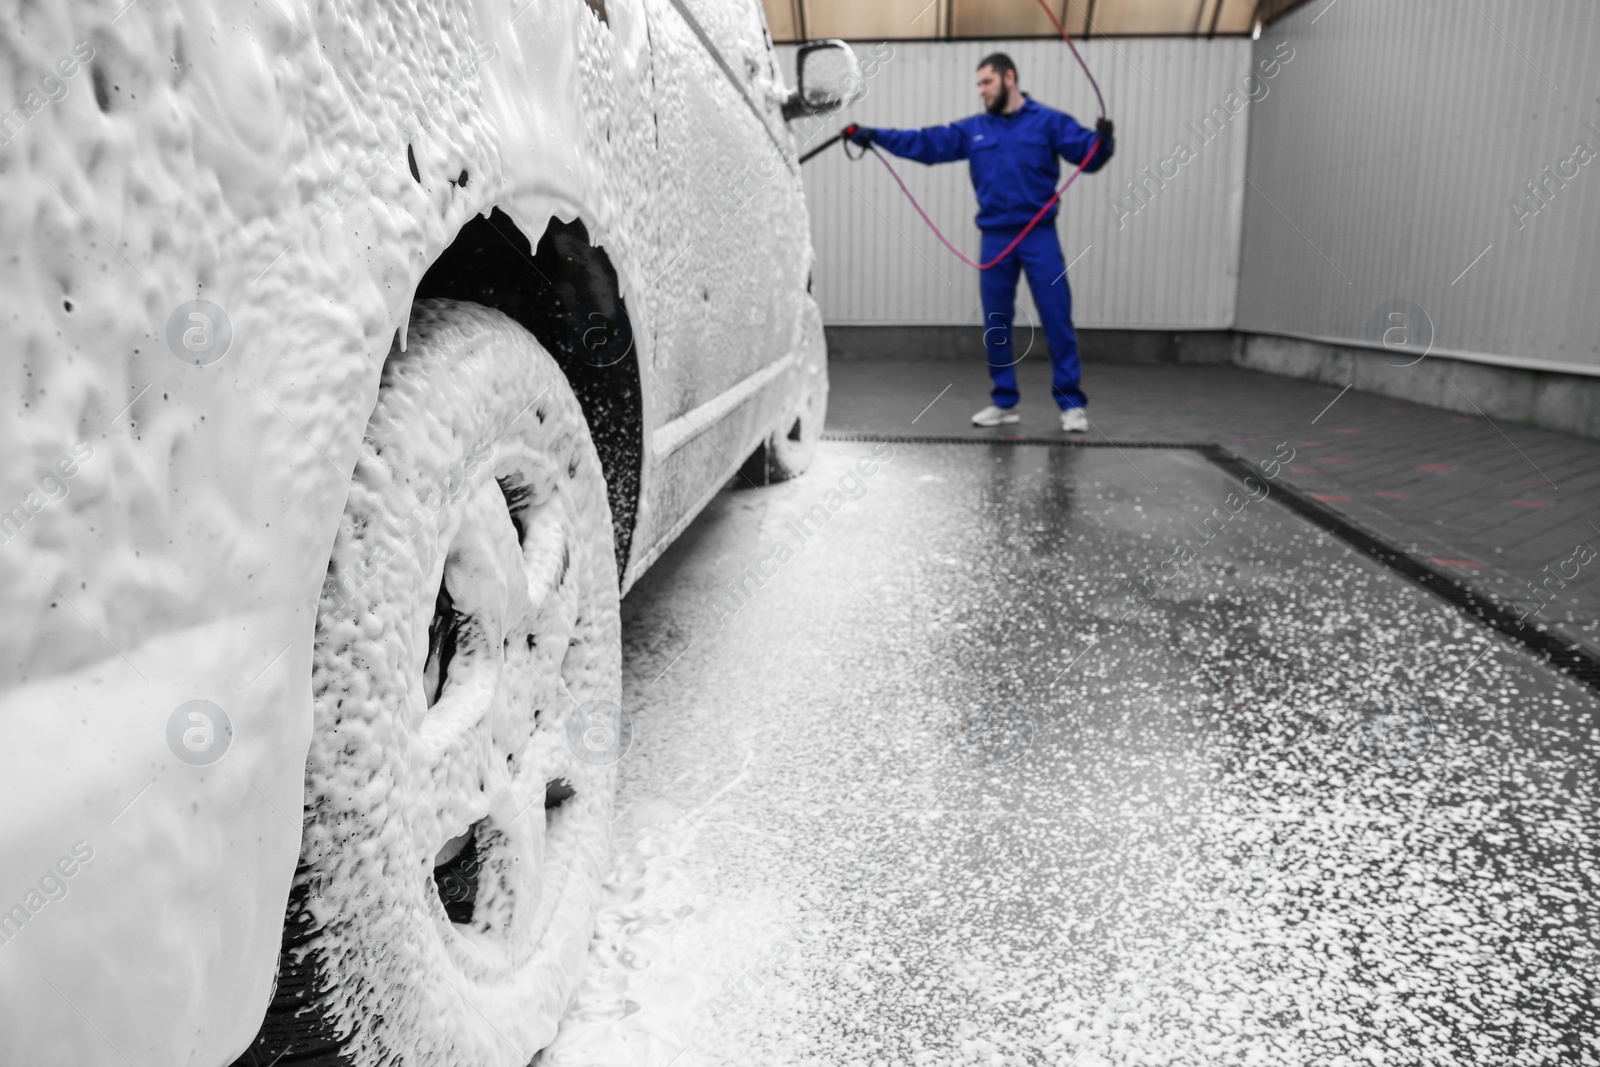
column 1000, row 62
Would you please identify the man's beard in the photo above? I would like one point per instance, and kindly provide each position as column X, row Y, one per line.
column 1001, row 102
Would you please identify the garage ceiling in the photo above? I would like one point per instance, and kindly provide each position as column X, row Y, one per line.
column 806, row 20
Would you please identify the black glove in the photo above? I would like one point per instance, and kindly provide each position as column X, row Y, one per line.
column 860, row 135
column 1105, row 129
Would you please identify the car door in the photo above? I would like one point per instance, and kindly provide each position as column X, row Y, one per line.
column 735, row 253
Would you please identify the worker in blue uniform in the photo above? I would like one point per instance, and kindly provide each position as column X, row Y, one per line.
column 1011, row 150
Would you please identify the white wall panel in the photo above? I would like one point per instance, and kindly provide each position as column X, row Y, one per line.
column 1174, row 264
column 1404, row 132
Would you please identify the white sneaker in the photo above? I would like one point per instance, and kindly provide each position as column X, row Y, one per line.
column 1073, row 420
column 993, row 416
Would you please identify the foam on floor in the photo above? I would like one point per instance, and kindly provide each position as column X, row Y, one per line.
column 1292, row 810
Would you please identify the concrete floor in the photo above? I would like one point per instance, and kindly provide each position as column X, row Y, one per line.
column 959, row 781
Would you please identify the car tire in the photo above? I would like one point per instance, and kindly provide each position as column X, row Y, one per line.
column 788, row 450
column 467, row 684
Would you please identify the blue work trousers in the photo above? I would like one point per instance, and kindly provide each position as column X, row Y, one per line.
column 1040, row 255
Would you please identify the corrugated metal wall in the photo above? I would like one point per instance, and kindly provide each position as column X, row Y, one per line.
column 1173, row 264
column 1403, row 136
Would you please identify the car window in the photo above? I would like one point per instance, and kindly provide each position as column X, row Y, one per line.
column 738, row 28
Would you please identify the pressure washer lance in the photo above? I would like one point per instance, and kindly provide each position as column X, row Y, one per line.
column 841, row 135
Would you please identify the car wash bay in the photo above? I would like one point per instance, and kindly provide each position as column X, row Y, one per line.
column 959, row 782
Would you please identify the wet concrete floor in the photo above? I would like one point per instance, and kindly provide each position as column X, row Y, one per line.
column 1012, row 757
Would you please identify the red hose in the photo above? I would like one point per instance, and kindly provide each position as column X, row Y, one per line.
column 1048, row 204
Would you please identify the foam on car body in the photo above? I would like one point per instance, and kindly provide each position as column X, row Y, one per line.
column 255, row 156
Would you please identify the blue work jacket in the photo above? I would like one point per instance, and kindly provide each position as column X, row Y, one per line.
column 1012, row 157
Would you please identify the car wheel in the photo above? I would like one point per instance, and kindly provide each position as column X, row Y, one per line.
column 787, row 451
column 466, row 681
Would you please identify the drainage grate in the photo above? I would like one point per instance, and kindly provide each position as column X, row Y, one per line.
column 1562, row 654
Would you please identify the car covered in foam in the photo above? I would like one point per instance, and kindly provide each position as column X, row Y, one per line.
column 358, row 359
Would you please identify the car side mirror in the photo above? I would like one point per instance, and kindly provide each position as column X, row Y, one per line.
column 829, row 78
